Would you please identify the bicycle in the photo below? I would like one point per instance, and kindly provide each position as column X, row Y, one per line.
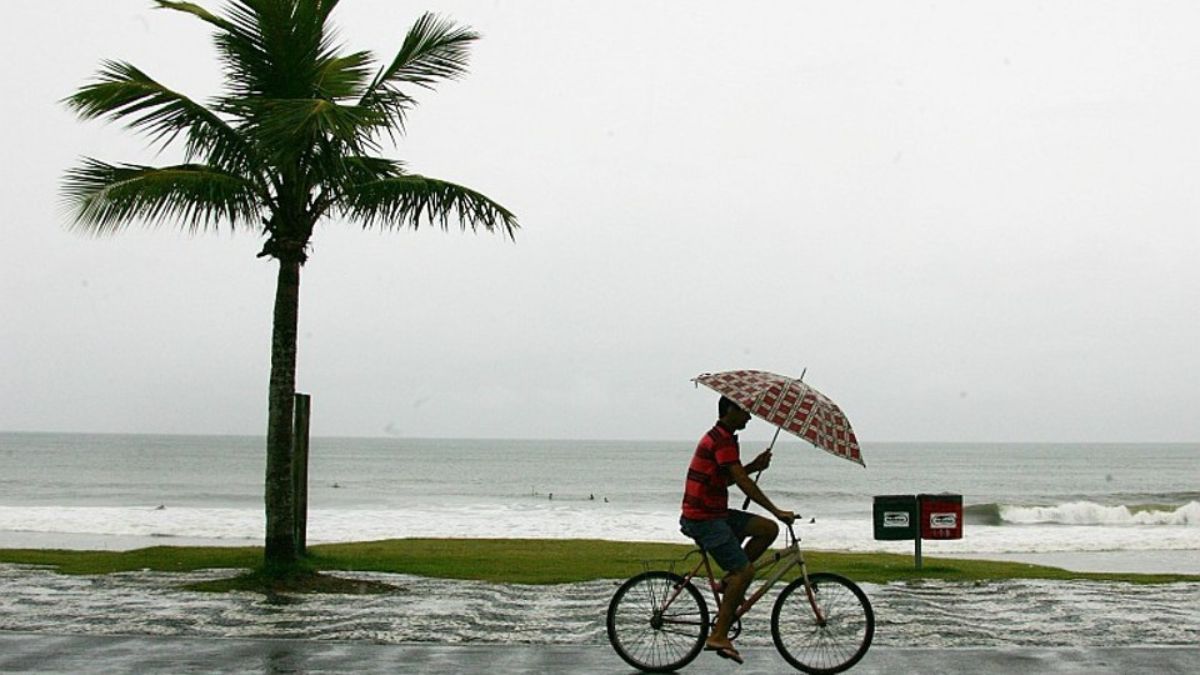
column 822, row 623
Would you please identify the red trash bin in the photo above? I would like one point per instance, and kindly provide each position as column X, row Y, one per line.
column 941, row 516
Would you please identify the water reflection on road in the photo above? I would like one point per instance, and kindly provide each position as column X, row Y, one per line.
column 927, row 613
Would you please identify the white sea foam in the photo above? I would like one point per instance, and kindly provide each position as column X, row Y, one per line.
column 558, row 521
column 1088, row 513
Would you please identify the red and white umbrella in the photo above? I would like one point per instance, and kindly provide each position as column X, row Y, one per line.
column 790, row 405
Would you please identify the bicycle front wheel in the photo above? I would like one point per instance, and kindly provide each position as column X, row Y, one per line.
column 657, row 622
column 831, row 642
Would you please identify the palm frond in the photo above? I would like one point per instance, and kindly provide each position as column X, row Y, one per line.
column 410, row 200
column 123, row 92
column 290, row 128
column 106, row 197
column 325, row 8
column 341, row 174
column 275, row 48
column 195, row 10
column 338, row 174
column 344, row 77
column 434, row 49
column 367, row 169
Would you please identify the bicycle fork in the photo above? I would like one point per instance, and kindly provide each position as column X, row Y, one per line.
column 812, row 597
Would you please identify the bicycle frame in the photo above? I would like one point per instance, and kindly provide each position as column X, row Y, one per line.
column 792, row 556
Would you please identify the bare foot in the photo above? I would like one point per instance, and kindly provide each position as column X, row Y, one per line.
column 713, row 644
column 726, row 651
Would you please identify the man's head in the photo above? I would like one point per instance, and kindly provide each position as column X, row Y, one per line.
column 731, row 414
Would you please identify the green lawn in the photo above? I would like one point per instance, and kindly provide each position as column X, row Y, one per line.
column 524, row 561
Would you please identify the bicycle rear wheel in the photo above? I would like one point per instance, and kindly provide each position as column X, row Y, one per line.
column 657, row 622
column 833, row 644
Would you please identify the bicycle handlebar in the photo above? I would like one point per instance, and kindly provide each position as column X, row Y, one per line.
column 791, row 530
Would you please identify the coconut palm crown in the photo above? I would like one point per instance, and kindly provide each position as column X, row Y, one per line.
column 292, row 139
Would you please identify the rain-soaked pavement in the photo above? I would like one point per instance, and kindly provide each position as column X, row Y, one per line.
column 78, row 655
column 143, row 622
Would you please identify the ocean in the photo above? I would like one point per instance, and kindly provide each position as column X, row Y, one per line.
column 125, row 491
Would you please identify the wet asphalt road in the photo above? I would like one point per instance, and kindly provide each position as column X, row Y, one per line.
column 45, row 653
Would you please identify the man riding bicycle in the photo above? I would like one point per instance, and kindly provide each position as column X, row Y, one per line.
column 720, row 530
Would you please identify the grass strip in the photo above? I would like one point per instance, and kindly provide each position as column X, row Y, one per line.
column 518, row 561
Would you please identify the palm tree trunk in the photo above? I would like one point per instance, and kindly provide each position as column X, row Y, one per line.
column 280, row 550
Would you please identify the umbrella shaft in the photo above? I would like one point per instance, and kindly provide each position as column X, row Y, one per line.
column 774, row 438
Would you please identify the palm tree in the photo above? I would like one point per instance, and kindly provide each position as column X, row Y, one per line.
column 292, row 139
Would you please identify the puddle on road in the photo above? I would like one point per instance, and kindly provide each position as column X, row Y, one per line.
column 927, row 613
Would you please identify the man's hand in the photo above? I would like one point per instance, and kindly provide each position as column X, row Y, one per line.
column 786, row 516
column 760, row 463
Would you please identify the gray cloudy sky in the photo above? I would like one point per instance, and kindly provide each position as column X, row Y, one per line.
column 967, row 220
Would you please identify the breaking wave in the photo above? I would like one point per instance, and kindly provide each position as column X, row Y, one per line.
column 1085, row 513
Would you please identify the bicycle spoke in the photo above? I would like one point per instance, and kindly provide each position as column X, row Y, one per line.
column 685, row 633
column 657, row 621
column 829, row 646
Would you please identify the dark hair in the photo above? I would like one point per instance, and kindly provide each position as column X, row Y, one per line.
column 724, row 405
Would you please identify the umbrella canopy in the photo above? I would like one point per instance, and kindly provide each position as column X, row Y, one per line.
column 790, row 405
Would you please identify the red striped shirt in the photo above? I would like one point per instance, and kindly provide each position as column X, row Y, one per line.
column 706, row 492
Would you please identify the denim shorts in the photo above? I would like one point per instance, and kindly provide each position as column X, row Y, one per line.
column 722, row 538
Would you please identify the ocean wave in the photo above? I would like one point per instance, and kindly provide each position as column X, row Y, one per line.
column 982, row 514
column 108, row 527
column 1086, row 513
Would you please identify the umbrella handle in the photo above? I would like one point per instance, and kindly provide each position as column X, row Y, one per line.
column 746, row 504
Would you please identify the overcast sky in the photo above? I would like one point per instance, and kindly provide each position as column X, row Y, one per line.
column 970, row 221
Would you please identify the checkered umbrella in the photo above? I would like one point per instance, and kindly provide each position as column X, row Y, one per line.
column 790, row 405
